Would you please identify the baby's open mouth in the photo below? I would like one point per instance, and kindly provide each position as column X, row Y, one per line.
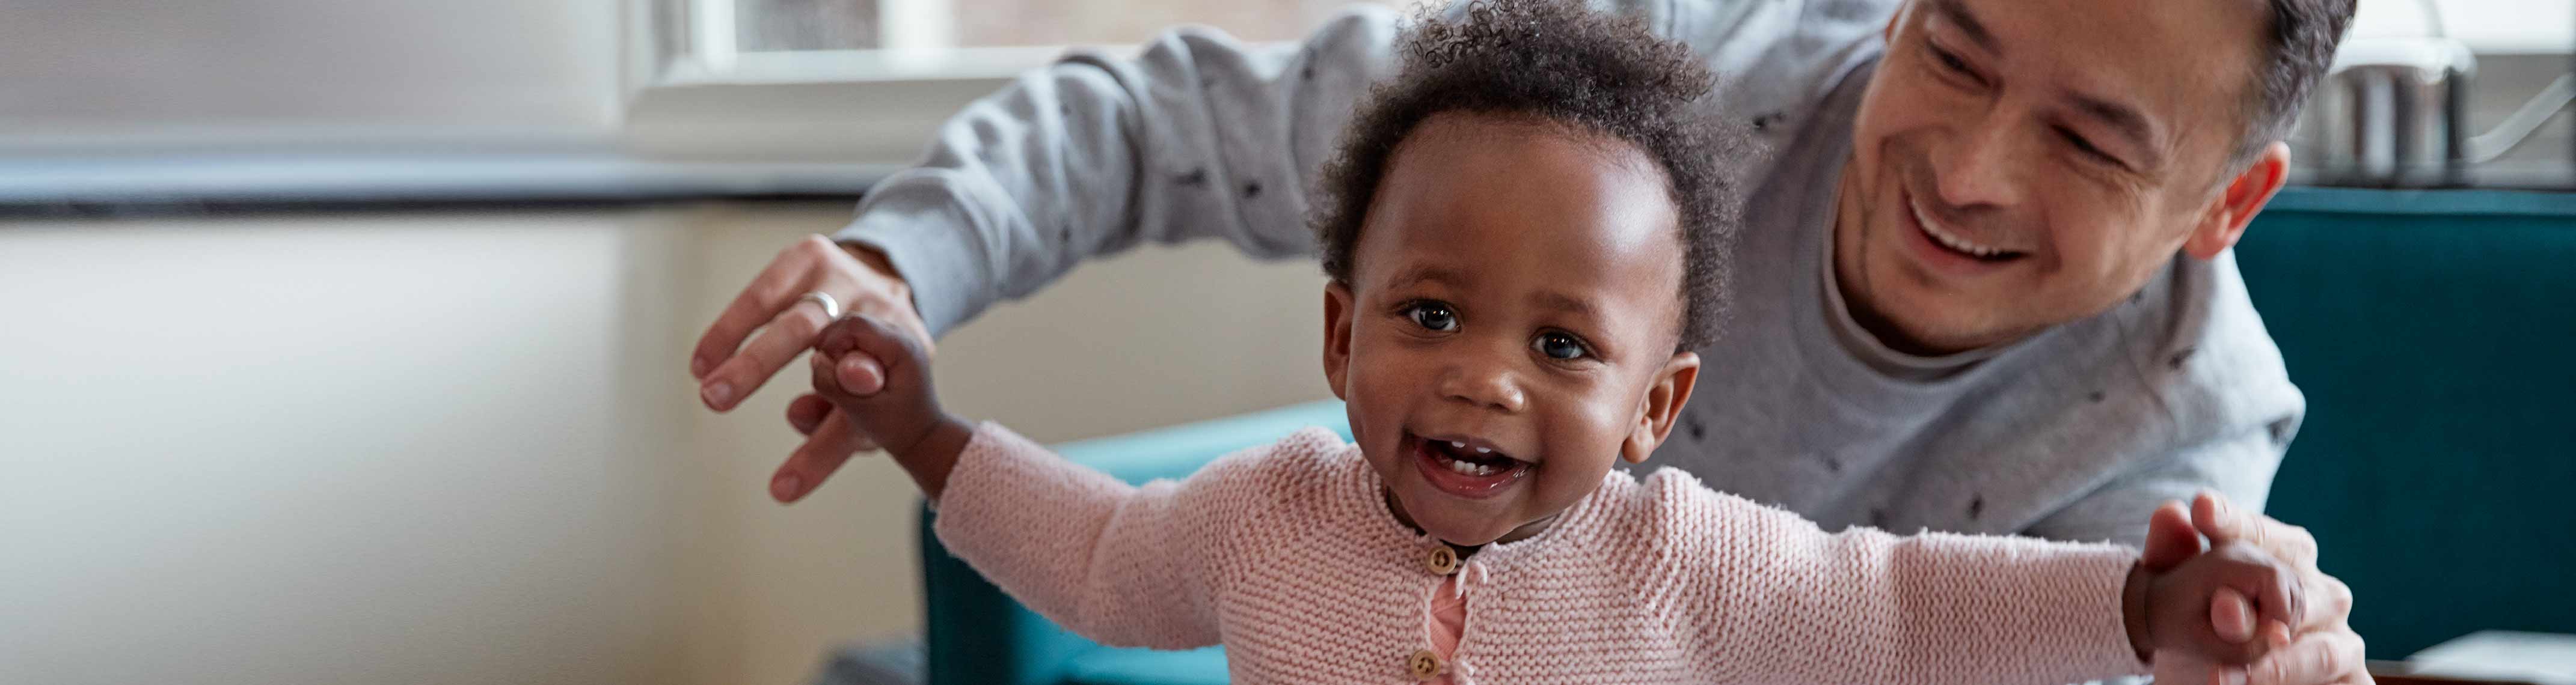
column 1465, row 466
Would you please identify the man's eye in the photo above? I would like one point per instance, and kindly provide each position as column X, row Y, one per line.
column 1950, row 61
column 1434, row 316
column 2087, row 147
column 1559, row 346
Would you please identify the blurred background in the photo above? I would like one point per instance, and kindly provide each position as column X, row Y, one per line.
column 345, row 341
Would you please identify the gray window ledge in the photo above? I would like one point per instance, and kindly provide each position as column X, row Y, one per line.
column 113, row 186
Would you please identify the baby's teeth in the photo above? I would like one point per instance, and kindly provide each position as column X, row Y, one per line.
column 1471, row 469
column 1484, row 450
column 1457, row 444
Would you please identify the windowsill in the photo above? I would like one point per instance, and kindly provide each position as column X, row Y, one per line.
column 65, row 186
column 877, row 66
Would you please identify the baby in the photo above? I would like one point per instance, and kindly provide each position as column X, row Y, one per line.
column 1525, row 239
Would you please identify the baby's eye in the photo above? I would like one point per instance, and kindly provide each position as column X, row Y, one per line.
column 1433, row 315
column 1559, row 346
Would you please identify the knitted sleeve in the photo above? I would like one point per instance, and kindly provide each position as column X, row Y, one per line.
column 1123, row 565
column 1776, row 599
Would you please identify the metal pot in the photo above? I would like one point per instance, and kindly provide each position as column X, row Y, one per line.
column 2392, row 112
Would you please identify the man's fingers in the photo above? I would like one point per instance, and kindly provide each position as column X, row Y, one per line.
column 823, row 452
column 2319, row 657
column 778, row 343
column 2329, row 602
column 2224, row 523
column 2185, row 667
column 2283, row 598
column 778, row 284
column 806, row 412
column 2211, row 513
column 2171, row 538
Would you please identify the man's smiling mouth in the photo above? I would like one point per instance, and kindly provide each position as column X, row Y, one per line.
column 1952, row 240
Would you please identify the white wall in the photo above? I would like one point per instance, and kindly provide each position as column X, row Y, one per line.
column 85, row 67
column 464, row 449
column 1151, row 338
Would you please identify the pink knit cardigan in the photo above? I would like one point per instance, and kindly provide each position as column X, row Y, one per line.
column 1287, row 555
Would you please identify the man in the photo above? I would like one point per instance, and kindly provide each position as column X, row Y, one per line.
column 1984, row 282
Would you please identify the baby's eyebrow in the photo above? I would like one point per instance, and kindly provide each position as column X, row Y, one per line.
column 1427, row 273
column 1563, row 303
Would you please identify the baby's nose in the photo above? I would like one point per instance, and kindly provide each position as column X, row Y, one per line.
column 1486, row 386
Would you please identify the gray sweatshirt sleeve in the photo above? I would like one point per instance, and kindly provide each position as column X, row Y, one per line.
column 1200, row 136
column 2239, row 466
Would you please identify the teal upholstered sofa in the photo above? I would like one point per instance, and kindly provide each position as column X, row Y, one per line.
column 2434, row 334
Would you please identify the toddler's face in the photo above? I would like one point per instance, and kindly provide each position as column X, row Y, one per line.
column 1508, row 330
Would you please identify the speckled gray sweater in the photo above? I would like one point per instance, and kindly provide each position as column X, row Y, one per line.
column 2074, row 434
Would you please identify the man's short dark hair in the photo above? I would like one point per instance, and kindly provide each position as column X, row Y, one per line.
column 1558, row 63
column 2299, row 42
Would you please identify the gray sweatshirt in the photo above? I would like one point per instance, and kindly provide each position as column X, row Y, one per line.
column 2074, row 434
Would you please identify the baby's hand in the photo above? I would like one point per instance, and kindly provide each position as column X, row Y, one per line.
column 2181, row 603
column 890, row 401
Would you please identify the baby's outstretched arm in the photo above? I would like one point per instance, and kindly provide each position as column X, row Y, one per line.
column 902, row 413
column 1124, row 565
column 1790, row 603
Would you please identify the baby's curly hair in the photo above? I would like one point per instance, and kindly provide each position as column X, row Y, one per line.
column 1559, row 62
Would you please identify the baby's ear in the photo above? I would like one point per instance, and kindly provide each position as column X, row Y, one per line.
column 1337, row 337
column 1661, row 407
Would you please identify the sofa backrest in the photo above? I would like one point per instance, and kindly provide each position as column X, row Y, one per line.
column 2434, row 334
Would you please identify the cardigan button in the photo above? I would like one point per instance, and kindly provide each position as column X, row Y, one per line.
column 1441, row 560
column 1425, row 665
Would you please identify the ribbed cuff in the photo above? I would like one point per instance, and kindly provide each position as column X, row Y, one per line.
column 914, row 220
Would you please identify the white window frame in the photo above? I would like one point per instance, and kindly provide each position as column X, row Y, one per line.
column 2488, row 27
column 690, row 93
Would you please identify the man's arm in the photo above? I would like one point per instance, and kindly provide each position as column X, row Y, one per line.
column 2239, row 466
column 1201, row 136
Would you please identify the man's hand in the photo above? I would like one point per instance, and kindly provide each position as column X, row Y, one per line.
column 729, row 369
column 2322, row 651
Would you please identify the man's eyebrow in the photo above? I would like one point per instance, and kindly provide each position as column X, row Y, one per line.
column 1958, row 14
column 2124, row 119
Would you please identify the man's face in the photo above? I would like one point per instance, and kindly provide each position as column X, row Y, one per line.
column 2019, row 164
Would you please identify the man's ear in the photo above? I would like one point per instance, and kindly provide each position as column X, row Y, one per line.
column 1337, row 337
column 2223, row 223
column 1663, row 406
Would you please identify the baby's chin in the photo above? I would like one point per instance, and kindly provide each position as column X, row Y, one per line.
column 1442, row 517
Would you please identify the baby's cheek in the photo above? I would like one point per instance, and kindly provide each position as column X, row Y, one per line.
column 1583, row 447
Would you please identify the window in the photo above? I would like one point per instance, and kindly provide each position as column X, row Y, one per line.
column 803, row 40
column 2486, row 26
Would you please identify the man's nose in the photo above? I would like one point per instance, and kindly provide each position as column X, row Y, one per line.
column 1984, row 165
column 1484, row 382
